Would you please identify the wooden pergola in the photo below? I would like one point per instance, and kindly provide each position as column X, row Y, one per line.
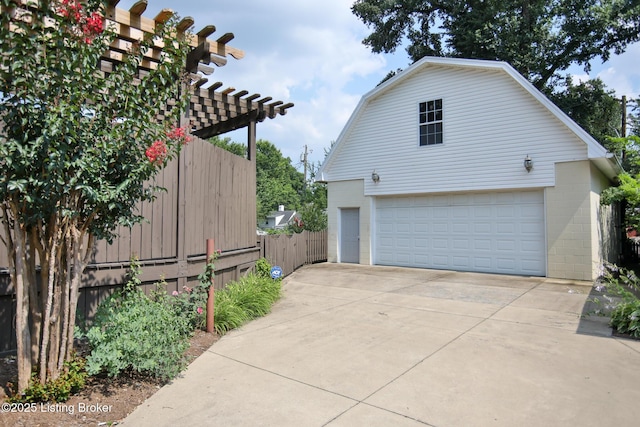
column 212, row 110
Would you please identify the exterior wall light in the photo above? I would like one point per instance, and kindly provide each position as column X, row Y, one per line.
column 528, row 163
column 374, row 176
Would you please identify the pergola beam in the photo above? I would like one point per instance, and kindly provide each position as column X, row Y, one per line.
column 211, row 111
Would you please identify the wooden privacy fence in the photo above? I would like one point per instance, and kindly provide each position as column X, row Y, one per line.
column 287, row 251
column 293, row 251
column 210, row 193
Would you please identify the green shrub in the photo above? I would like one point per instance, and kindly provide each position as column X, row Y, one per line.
column 132, row 331
column 70, row 382
column 191, row 304
column 250, row 297
column 625, row 318
column 624, row 285
column 263, row 268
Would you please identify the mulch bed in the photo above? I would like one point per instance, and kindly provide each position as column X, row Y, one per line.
column 103, row 402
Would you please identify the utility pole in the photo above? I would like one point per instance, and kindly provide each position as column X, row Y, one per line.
column 624, row 116
column 305, row 165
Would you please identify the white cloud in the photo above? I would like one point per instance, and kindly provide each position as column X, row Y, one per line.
column 580, row 78
column 620, row 74
column 306, row 52
column 310, row 53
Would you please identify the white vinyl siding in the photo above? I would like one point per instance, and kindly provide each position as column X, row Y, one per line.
column 492, row 123
column 501, row 232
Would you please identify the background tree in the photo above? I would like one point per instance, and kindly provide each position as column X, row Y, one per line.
column 539, row 38
column 280, row 183
column 313, row 212
column 76, row 148
column 229, row 145
column 633, row 121
column 627, row 149
column 592, row 106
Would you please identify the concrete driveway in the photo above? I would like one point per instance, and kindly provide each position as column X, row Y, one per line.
column 352, row 345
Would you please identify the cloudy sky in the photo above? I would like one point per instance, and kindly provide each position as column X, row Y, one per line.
column 310, row 52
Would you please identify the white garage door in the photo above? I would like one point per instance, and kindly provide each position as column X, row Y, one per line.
column 500, row 232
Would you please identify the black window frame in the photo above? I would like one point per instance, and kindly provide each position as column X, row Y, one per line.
column 431, row 122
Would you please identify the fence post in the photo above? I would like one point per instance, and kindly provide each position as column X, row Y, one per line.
column 212, row 296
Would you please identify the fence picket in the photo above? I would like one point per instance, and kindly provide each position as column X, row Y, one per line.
column 291, row 252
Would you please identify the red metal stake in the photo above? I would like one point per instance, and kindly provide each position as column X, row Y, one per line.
column 212, row 297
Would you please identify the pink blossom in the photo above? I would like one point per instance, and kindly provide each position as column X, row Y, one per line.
column 199, row 310
column 178, row 134
column 175, row 293
column 95, row 24
column 157, row 152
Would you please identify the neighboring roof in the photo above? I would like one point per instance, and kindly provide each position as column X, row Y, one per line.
column 286, row 216
column 604, row 161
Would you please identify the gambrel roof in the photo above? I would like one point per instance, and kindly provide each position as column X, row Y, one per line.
column 605, row 161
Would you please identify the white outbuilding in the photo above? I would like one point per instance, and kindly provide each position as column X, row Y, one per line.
column 464, row 165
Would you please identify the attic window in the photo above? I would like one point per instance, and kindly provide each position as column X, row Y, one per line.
column 431, row 122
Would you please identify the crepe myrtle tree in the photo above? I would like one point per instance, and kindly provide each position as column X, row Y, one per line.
column 77, row 151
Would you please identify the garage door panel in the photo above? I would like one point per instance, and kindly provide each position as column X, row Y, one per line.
column 529, row 211
column 482, row 244
column 421, row 244
column 403, row 227
column 530, row 197
column 531, row 246
column 440, row 261
column 506, row 245
column 440, row 227
column 501, row 232
column 385, row 228
column 482, row 227
column 532, row 266
column 461, row 244
column 506, row 212
column 506, row 227
column 460, row 227
column 422, row 212
column 460, row 262
column 482, row 263
column 421, row 227
column 530, row 227
column 441, row 244
column 441, row 212
column 482, row 212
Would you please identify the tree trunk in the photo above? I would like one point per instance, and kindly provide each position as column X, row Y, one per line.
column 66, row 312
column 79, row 262
column 34, row 299
column 23, row 332
column 47, row 312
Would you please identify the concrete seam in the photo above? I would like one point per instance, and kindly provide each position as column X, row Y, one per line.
column 377, row 407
